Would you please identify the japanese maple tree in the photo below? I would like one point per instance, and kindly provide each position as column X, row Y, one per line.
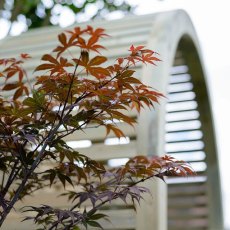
column 75, row 89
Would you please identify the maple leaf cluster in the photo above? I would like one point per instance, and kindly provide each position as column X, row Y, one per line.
column 75, row 89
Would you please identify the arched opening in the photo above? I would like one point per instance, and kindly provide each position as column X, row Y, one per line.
column 192, row 202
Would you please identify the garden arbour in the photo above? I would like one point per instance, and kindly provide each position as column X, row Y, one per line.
column 147, row 137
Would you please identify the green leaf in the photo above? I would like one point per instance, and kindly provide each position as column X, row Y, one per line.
column 3, row 166
column 52, row 177
column 29, row 101
column 94, row 224
column 98, row 216
column 44, row 67
column 25, row 111
column 76, row 228
column 18, row 93
column 37, row 101
column 82, row 116
column 63, row 178
column 69, row 180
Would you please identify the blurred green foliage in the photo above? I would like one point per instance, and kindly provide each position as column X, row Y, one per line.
column 38, row 13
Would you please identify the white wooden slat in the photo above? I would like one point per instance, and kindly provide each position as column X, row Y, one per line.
column 182, row 116
column 37, row 50
column 181, row 106
column 104, row 152
column 99, row 133
column 182, row 87
column 194, row 224
column 180, row 78
column 187, row 213
column 189, row 201
column 184, row 146
column 40, row 47
column 118, row 30
column 183, row 136
column 194, row 156
column 183, row 126
column 120, row 219
column 176, row 69
column 176, row 190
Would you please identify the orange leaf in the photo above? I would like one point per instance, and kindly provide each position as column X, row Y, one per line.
column 44, row 67
column 135, row 50
column 48, row 57
column 96, row 71
column 18, row 93
column 85, row 58
column 92, row 41
column 26, row 90
column 62, row 38
column 10, row 86
column 116, row 131
column 20, row 74
column 127, row 73
column 98, row 60
column 11, row 73
column 25, row 56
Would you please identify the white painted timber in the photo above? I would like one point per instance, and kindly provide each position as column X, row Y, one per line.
column 167, row 33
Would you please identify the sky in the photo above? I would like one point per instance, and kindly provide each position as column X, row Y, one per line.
column 211, row 20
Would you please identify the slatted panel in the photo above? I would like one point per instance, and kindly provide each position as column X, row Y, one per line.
column 92, row 141
column 187, row 197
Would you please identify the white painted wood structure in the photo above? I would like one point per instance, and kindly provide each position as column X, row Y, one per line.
column 181, row 125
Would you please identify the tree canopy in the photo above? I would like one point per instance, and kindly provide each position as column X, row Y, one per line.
column 38, row 13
